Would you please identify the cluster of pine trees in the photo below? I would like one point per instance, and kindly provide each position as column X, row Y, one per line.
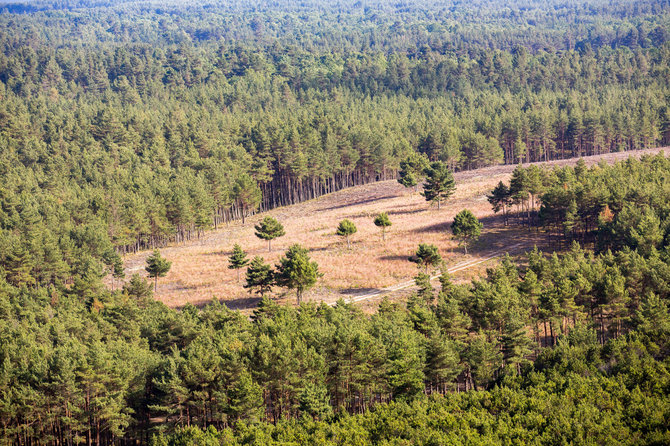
column 125, row 366
column 607, row 207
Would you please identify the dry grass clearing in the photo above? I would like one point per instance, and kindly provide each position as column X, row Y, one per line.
column 200, row 268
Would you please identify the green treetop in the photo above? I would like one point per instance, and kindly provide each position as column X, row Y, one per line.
column 426, row 255
column 345, row 229
column 439, row 183
column 466, row 228
column 238, row 260
column 269, row 229
column 296, row 271
column 260, row 276
column 157, row 266
column 382, row 221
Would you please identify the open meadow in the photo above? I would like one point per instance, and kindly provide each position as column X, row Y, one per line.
column 200, row 270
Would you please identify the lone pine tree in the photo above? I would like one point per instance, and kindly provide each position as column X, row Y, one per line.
column 345, row 229
column 237, row 260
column 382, row 221
column 439, row 183
column 157, row 266
column 269, row 229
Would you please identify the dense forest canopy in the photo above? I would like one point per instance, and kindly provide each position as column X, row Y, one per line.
column 128, row 125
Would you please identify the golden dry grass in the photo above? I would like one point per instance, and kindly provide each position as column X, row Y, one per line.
column 200, row 267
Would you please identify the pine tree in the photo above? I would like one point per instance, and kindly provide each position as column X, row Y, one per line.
column 138, row 288
column 466, row 228
column 260, row 276
column 439, row 183
column 269, row 229
column 237, row 260
column 411, row 169
column 157, row 266
column 382, row 221
column 247, row 194
column 296, row 271
column 345, row 229
column 426, row 255
column 499, row 199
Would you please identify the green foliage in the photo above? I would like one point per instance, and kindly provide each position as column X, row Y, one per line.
column 426, row 255
column 157, row 266
column 466, row 228
column 296, row 271
column 439, row 183
column 138, row 288
column 382, row 221
column 260, row 276
column 412, row 169
column 237, row 260
column 269, row 229
column 345, row 229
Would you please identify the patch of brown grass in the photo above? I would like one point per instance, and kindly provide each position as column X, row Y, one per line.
column 200, row 267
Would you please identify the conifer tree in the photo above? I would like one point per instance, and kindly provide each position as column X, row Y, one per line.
column 426, row 255
column 439, row 183
column 138, row 288
column 345, row 229
column 411, row 169
column 382, row 221
column 260, row 276
column 237, row 260
column 466, row 228
column 247, row 194
column 296, row 271
column 269, row 229
column 499, row 199
column 157, row 266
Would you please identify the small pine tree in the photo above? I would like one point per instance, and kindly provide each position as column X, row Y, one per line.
column 157, row 266
column 382, row 221
column 269, row 229
column 238, row 260
column 260, row 276
column 345, row 229
column 426, row 255
column 138, row 288
column 466, row 227
column 296, row 271
column 439, row 183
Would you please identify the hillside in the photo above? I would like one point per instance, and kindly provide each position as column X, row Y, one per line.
column 200, row 268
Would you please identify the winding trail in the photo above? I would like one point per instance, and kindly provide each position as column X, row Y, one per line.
column 460, row 266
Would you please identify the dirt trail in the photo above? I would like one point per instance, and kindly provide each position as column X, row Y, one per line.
column 370, row 268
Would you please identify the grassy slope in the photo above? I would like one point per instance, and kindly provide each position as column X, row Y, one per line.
column 200, row 268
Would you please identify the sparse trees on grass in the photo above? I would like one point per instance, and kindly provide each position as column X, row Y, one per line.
column 157, row 266
column 466, row 228
column 345, row 229
column 238, row 260
column 269, row 229
column 382, row 221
